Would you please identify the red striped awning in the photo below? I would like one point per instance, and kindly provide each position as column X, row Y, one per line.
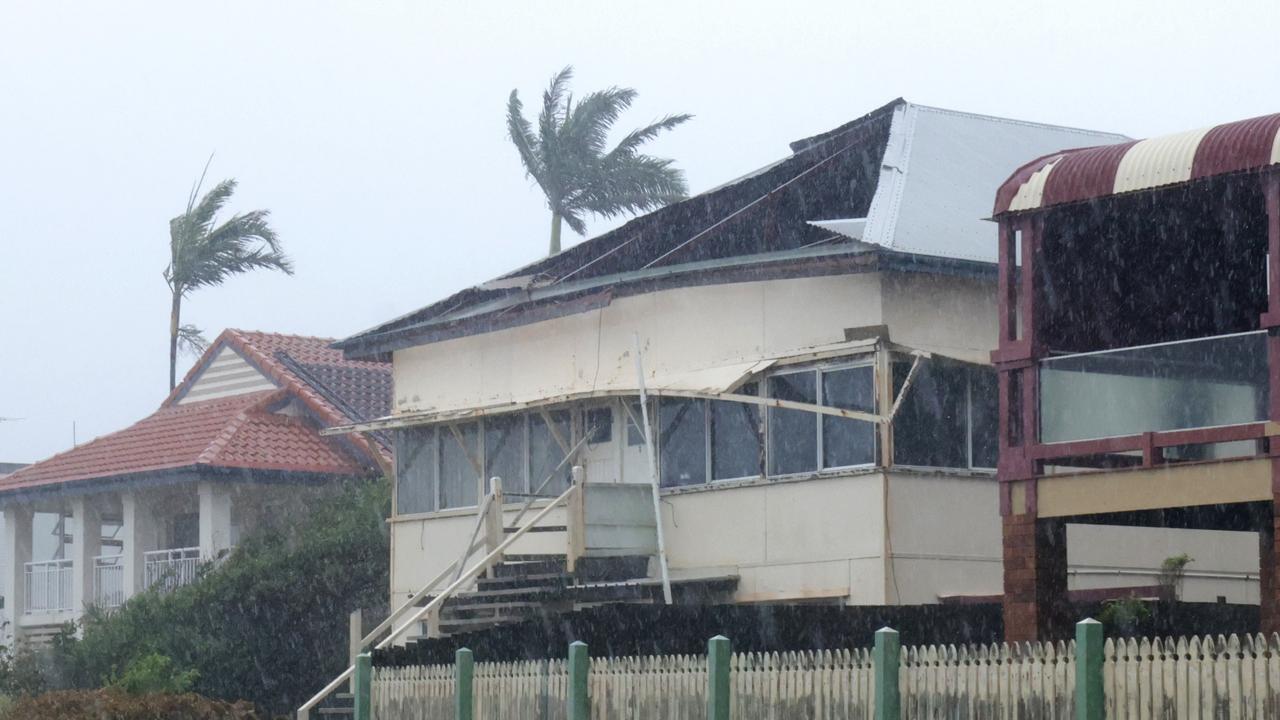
column 1074, row 175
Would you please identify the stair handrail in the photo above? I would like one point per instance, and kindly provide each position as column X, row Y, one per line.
column 479, row 567
column 304, row 711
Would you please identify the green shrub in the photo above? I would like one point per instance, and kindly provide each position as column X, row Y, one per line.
column 268, row 624
column 154, row 673
column 113, row 704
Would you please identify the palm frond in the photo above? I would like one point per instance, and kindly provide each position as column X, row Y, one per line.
column 191, row 340
column 521, row 133
column 634, row 184
column 634, row 139
column 587, row 127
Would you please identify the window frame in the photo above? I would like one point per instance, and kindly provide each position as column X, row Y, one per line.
column 969, row 370
column 867, row 361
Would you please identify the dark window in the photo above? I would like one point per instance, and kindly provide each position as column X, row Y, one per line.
column 415, row 470
column 793, row 434
column 504, row 450
column 845, row 441
column 458, row 479
column 931, row 428
column 635, row 432
column 985, row 417
column 682, row 437
column 546, row 454
column 598, row 425
column 948, row 417
column 736, row 447
column 186, row 531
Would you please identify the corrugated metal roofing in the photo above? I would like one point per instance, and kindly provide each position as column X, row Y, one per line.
column 938, row 173
column 1075, row 175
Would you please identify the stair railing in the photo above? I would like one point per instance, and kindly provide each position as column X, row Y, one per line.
column 460, row 581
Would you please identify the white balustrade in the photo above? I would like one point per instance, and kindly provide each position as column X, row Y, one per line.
column 48, row 586
column 169, row 569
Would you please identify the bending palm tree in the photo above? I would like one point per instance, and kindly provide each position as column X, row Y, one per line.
column 568, row 159
column 203, row 253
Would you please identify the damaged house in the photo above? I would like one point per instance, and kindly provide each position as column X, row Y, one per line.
column 778, row 390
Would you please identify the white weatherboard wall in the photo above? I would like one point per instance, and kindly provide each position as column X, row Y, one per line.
column 226, row 375
column 683, row 330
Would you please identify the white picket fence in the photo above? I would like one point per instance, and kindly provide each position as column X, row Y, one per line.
column 1162, row 679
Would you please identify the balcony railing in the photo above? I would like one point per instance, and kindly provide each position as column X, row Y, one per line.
column 48, row 586
column 108, row 581
column 1203, row 383
column 169, row 569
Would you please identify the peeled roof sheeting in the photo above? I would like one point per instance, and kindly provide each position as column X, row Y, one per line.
column 1088, row 173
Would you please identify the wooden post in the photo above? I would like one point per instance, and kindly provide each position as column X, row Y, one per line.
column 887, row 661
column 1089, row 641
column 362, row 684
column 579, row 666
column 718, row 652
column 463, row 675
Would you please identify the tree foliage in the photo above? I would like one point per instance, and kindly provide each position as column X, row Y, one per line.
column 204, row 252
column 568, row 156
column 268, row 624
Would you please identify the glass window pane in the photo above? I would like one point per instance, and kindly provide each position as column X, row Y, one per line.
column 457, row 474
column 930, row 428
column 545, row 453
column 635, row 433
column 793, row 434
column 682, row 437
column 504, row 450
column 597, row 423
column 985, row 394
column 415, row 470
column 848, row 442
column 737, row 449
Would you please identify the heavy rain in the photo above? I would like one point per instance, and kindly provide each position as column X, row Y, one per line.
column 445, row 361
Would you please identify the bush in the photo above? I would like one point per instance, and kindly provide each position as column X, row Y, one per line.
column 268, row 624
column 155, row 673
column 113, row 704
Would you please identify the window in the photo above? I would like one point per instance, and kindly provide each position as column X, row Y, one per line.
column 504, row 452
column 793, row 434
column 948, row 417
column 546, row 453
column 682, row 437
column 635, row 433
column 846, row 441
column 458, row 486
column 737, row 450
column 597, row 423
column 415, row 470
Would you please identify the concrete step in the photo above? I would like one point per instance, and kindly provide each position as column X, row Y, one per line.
column 510, row 581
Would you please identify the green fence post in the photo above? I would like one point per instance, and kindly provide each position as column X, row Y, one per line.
column 361, row 686
column 579, row 665
column 718, row 651
column 464, row 669
column 887, row 660
column 1089, row 642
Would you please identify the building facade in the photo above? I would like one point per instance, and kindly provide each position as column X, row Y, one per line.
column 1138, row 357
column 235, row 447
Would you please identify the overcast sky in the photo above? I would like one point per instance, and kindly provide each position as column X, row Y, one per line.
column 374, row 133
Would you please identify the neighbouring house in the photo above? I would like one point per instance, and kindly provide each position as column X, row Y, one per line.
column 1139, row 358
column 235, row 446
column 813, row 341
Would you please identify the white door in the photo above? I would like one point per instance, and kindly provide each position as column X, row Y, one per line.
column 600, row 458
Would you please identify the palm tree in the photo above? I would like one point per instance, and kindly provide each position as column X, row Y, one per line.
column 204, row 252
column 568, row 158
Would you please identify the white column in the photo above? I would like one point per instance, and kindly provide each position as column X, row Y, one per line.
column 139, row 535
column 87, row 542
column 17, row 553
column 215, row 519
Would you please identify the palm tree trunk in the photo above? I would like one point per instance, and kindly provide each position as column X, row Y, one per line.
column 555, row 233
column 174, row 313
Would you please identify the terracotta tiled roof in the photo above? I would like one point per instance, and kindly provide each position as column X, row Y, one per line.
column 235, row 432
column 242, row 431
